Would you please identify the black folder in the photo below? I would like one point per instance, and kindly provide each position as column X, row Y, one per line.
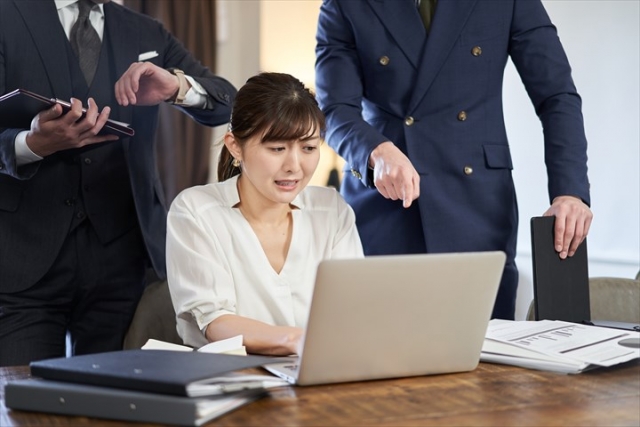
column 105, row 402
column 156, row 371
column 18, row 108
column 560, row 286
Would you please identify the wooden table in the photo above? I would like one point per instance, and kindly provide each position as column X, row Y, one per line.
column 492, row 395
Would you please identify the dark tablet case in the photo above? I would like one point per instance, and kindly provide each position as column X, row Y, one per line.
column 560, row 286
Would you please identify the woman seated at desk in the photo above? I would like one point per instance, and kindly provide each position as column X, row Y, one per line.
column 242, row 253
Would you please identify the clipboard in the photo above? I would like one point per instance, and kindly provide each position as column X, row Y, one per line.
column 19, row 107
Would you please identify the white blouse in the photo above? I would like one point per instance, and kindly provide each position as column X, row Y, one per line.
column 216, row 265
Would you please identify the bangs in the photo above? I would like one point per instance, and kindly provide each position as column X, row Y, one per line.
column 293, row 123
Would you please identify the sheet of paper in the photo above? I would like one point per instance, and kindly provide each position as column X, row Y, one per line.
column 152, row 344
column 231, row 345
column 590, row 344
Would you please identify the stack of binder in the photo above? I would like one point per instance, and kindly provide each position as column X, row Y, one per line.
column 154, row 386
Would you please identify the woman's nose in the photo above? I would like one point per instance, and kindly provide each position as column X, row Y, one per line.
column 292, row 161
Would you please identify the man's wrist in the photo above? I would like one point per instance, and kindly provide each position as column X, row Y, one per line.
column 183, row 87
column 376, row 152
column 24, row 154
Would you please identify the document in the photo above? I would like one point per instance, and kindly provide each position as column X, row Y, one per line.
column 557, row 345
column 158, row 371
column 111, row 403
column 231, row 345
column 18, row 108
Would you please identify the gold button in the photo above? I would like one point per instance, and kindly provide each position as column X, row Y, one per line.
column 468, row 170
column 476, row 51
column 462, row 116
column 408, row 121
column 356, row 174
column 384, row 60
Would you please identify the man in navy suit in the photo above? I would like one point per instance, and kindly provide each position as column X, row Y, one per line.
column 82, row 215
column 414, row 106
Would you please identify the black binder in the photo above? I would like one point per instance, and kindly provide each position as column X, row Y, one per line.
column 156, row 371
column 110, row 403
column 18, row 108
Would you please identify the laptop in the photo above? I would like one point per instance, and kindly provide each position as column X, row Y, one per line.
column 561, row 286
column 396, row 316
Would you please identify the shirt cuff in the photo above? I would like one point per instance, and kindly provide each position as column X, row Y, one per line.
column 196, row 95
column 24, row 155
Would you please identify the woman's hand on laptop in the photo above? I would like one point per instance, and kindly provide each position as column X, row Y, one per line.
column 258, row 337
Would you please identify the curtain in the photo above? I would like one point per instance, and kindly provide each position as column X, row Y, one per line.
column 182, row 145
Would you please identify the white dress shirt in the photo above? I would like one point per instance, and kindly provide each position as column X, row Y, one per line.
column 68, row 12
column 216, row 265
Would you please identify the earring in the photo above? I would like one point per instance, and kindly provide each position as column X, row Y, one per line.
column 235, row 163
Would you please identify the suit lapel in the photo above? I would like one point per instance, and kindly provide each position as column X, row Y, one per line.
column 123, row 41
column 402, row 20
column 44, row 25
column 450, row 17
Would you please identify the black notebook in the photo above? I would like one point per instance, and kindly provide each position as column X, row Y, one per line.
column 156, row 371
column 560, row 286
column 106, row 402
column 18, row 108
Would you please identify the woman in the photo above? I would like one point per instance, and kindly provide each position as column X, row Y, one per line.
column 242, row 253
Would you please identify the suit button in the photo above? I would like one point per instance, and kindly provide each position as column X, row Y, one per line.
column 356, row 174
column 462, row 116
column 80, row 215
column 87, row 161
column 408, row 121
column 476, row 51
column 384, row 60
column 468, row 170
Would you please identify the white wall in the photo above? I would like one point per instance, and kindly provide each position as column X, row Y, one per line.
column 602, row 42
column 601, row 39
column 238, row 53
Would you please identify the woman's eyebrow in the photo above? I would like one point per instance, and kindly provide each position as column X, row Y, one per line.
column 309, row 138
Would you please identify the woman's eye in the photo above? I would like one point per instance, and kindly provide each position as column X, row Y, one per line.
column 310, row 148
column 277, row 149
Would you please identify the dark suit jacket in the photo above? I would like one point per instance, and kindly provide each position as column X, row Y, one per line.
column 440, row 102
column 32, row 227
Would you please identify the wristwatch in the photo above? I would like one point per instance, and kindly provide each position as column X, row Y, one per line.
column 181, row 94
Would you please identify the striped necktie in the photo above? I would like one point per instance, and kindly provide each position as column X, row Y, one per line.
column 85, row 41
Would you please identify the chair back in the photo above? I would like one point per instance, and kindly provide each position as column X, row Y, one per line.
column 154, row 318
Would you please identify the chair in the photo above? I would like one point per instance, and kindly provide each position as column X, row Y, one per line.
column 154, row 318
column 611, row 298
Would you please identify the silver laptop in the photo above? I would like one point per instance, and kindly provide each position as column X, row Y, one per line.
column 396, row 316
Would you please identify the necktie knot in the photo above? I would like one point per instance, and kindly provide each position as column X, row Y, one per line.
column 85, row 7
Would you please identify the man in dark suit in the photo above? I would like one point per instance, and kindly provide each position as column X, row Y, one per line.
column 414, row 106
column 82, row 215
